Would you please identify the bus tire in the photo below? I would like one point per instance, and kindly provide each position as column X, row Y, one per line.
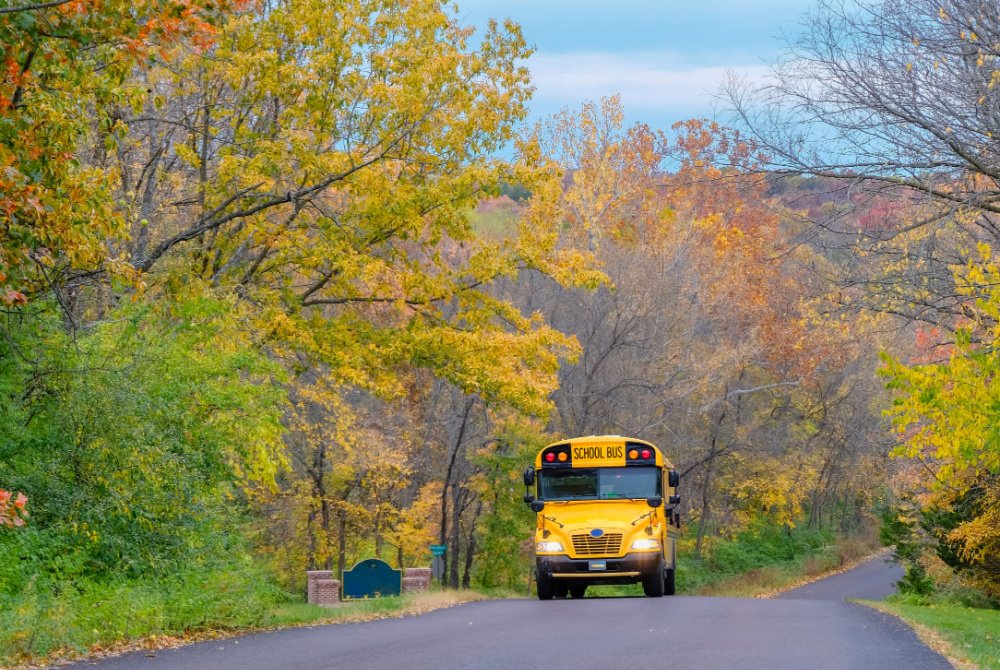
column 560, row 589
column 577, row 590
column 544, row 585
column 669, row 582
column 653, row 583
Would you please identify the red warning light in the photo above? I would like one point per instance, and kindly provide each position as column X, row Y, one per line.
column 646, row 453
column 549, row 457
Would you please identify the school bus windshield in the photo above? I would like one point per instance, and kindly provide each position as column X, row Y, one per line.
column 599, row 483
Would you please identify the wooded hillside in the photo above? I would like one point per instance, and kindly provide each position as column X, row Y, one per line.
column 286, row 284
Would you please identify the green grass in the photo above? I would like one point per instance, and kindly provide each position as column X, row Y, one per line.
column 73, row 616
column 67, row 620
column 292, row 614
column 769, row 559
column 971, row 635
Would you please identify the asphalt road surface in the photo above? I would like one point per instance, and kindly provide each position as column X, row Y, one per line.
column 807, row 632
column 873, row 580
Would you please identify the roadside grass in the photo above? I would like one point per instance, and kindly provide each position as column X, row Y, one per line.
column 840, row 554
column 757, row 564
column 71, row 621
column 298, row 613
column 968, row 637
column 55, row 618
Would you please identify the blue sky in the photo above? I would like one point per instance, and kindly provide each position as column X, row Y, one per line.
column 665, row 57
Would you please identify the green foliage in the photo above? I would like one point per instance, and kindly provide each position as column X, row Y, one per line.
column 900, row 532
column 136, row 442
column 132, row 439
column 915, row 581
column 750, row 550
column 946, row 415
column 505, row 546
column 920, row 537
column 50, row 614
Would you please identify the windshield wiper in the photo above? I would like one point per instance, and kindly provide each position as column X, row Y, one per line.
column 643, row 516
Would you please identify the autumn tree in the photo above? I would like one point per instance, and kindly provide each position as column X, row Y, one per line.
column 894, row 104
column 290, row 203
column 707, row 341
column 325, row 176
column 943, row 416
column 61, row 58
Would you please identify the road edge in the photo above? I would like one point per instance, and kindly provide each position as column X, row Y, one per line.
column 846, row 567
column 930, row 637
column 153, row 643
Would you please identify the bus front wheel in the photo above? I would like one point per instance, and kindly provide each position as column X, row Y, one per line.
column 653, row 582
column 544, row 585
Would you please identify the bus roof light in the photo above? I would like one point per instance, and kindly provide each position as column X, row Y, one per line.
column 633, row 454
column 646, row 453
column 562, row 456
column 549, row 457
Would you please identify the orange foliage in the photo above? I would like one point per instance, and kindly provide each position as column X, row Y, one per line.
column 13, row 509
column 57, row 62
column 720, row 186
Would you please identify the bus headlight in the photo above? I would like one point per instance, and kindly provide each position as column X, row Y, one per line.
column 646, row 543
column 548, row 546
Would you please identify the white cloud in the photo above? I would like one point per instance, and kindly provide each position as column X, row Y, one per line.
column 647, row 81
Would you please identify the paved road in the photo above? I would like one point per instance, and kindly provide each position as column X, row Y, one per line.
column 873, row 580
column 687, row 633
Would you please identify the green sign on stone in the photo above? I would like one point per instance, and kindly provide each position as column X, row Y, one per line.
column 372, row 578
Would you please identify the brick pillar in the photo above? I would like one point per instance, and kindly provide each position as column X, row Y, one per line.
column 416, row 579
column 312, row 576
column 327, row 592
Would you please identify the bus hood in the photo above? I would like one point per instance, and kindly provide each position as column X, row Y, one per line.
column 586, row 515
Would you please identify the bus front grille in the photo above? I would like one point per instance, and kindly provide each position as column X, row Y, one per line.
column 585, row 545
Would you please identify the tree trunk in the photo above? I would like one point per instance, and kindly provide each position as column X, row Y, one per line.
column 470, row 547
column 706, row 488
column 341, row 543
column 444, row 531
column 453, row 546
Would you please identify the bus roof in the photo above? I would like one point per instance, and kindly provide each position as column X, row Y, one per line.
column 602, row 441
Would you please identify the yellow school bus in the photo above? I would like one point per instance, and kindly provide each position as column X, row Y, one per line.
column 605, row 508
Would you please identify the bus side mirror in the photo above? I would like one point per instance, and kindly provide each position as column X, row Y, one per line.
column 675, row 500
column 655, row 501
column 537, row 505
column 528, row 498
column 529, row 477
column 673, row 479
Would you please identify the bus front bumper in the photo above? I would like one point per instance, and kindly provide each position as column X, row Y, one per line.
column 628, row 568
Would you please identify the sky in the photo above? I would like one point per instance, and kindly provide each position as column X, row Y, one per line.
column 666, row 58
